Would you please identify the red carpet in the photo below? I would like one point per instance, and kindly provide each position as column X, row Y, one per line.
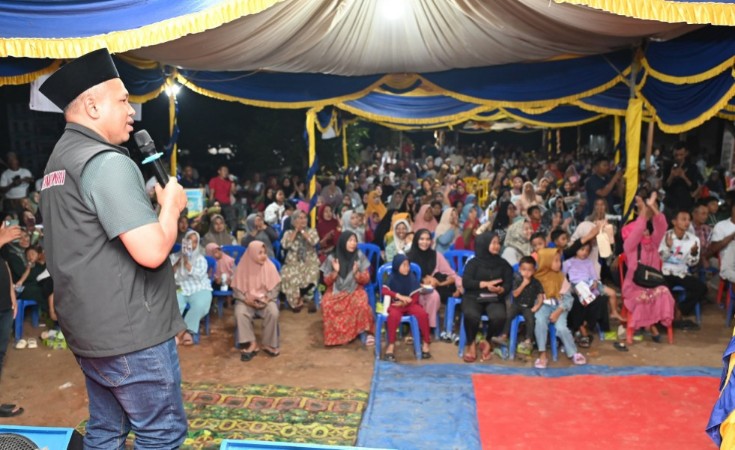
column 594, row 412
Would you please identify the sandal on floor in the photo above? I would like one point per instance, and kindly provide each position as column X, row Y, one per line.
column 21, row 344
column 620, row 346
column 485, row 351
column 16, row 411
column 246, row 356
column 269, row 352
column 469, row 359
column 390, row 357
column 187, row 339
column 425, row 355
column 370, row 341
column 540, row 363
column 657, row 339
column 32, row 343
column 585, row 341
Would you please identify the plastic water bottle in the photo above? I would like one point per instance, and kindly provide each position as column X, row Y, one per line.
column 223, row 285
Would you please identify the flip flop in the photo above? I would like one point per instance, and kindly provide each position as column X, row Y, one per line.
column 425, row 355
column 485, row 351
column 540, row 363
column 469, row 359
column 11, row 412
column 620, row 346
column 390, row 357
column 269, row 352
column 7, row 407
column 21, row 344
column 32, row 343
column 246, row 356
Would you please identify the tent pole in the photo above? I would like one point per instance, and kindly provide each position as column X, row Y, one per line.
column 649, row 143
column 344, row 152
column 558, row 141
column 310, row 129
column 171, row 125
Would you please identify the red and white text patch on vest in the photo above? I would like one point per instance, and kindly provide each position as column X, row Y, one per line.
column 54, row 179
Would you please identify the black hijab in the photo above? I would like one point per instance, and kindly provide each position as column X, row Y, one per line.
column 482, row 247
column 426, row 259
column 346, row 259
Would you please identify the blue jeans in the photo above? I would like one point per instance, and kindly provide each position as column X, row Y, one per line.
column 562, row 330
column 139, row 391
column 6, row 328
column 199, row 304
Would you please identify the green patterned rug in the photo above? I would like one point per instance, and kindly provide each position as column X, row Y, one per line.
column 269, row 413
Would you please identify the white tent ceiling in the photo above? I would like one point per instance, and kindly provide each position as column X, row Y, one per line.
column 360, row 37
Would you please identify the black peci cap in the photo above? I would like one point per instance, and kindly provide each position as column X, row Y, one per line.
column 79, row 75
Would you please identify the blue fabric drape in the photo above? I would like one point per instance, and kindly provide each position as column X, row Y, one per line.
column 13, row 67
column 534, row 81
column 693, row 53
column 82, row 18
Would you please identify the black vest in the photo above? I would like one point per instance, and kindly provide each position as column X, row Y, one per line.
column 107, row 304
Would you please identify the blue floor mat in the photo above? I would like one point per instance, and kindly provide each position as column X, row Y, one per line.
column 432, row 406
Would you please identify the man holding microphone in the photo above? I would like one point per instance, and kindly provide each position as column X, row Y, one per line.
column 107, row 252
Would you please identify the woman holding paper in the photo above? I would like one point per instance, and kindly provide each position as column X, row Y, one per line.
column 403, row 289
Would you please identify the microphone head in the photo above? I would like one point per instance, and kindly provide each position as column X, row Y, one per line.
column 143, row 139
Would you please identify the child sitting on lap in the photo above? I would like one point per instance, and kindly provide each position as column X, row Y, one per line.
column 581, row 269
column 528, row 295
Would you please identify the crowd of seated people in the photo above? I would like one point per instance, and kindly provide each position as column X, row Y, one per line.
column 547, row 237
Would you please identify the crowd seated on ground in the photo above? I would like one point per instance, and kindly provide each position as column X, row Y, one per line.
column 556, row 220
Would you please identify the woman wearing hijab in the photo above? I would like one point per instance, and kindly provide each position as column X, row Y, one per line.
column 255, row 287
column 528, row 198
column 403, row 288
column 257, row 230
column 425, row 219
column 447, row 231
column 401, row 241
column 194, row 286
column 555, row 308
column 225, row 264
column 353, row 221
column 218, row 232
column 346, row 310
column 328, row 228
column 646, row 306
column 300, row 271
column 436, row 272
column 487, row 280
column 466, row 240
column 518, row 242
column 375, row 205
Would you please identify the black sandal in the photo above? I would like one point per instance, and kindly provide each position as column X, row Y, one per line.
column 246, row 356
column 425, row 355
column 390, row 357
column 620, row 346
column 656, row 339
column 12, row 412
column 585, row 342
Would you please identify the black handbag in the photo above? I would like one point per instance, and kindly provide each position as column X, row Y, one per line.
column 646, row 276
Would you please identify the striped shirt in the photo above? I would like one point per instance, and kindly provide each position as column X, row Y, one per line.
column 195, row 280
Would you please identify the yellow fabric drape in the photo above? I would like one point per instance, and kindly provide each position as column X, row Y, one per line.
column 310, row 129
column 692, row 12
column 633, row 123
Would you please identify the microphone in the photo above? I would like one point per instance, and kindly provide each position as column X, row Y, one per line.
column 148, row 149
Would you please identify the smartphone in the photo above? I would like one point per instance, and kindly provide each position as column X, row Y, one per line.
column 10, row 223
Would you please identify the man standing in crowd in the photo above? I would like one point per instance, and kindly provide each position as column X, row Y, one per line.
column 600, row 184
column 681, row 182
column 722, row 243
column 107, row 252
column 14, row 183
column 221, row 189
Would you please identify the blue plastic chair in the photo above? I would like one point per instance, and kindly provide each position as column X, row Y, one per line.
column 484, row 320
column 513, row 338
column 457, row 260
column 372, row 253
column 236, row 251
column 20, row 316
column 383, row 273
column 680, row 294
